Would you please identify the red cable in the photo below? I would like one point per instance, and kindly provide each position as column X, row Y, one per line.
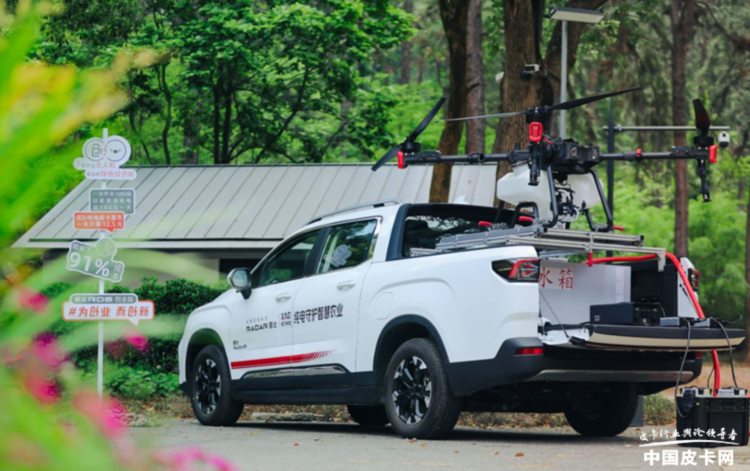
column 693, row 298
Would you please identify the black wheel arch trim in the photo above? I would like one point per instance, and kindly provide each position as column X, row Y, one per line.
column 402, row 320
column 195, row 341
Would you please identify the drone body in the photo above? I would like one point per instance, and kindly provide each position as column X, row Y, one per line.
column 569, row 185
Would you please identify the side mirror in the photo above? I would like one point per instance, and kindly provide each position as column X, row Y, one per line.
column 239, row 279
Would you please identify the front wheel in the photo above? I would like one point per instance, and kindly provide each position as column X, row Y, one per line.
column 209, row 389
column 418, row 401
column 606, row 414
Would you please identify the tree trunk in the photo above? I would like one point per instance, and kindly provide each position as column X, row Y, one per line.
column 475, row 129
column 226, row 132
column 162, row 75
column 406, row 46
column 191, row 132
column 682, row 19
column 217, row 122
column 521, row 39
column 522, row 27
column 454, row 15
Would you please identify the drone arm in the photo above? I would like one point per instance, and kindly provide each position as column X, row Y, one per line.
column 677, row 153
column 700, row 155
column 435, row 157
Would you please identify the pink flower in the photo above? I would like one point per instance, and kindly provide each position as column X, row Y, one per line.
column 29, row 299
column 44, row 390
column 182, row 460
column 44, row 347
column 107, row 413
column 137, row 341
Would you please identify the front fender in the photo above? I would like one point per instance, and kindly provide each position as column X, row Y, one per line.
column 212, row 318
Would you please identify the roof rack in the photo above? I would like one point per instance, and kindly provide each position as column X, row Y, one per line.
column 375, row 204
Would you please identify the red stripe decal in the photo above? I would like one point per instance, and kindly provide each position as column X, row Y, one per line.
column 282, row 360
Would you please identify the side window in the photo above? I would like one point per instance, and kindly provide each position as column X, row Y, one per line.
column 347, row 245
column 287, row 264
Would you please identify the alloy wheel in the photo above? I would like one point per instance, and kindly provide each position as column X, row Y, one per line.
column 412, row 389
column 207, row 386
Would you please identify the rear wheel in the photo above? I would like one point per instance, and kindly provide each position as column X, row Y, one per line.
column 606, row 414
column 418, row 401
column 368, row 416
column 209, row 389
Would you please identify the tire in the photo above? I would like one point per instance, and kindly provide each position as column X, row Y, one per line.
column 368, row 416
column 418, row 401
column 605, row 415
column 210, row 389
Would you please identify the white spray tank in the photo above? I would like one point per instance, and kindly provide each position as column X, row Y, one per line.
column 514, row 188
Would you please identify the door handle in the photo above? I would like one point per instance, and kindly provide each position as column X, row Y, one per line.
column 344, row 285
column 281, row 297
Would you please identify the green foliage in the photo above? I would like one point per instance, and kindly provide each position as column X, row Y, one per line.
column 234, row 78
column 49, row 422
column 138, row 383
column 658, row 410
column 178, row 296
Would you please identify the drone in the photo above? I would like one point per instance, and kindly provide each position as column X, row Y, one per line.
column 570, row 186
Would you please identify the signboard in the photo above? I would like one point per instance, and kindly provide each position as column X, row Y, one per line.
column 118, row 199
column 103, row 157
column 95, row 260
column 99, row 220
column 107, row 307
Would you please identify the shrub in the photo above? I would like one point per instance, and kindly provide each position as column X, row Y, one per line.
column 658, row 410
column 137, row 383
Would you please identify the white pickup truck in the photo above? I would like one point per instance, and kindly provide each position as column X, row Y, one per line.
column 412, row 313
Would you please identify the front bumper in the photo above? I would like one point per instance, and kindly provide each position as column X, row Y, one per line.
column 570, row 363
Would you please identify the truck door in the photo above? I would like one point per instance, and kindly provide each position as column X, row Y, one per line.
column 326, row 313
column 262, row 334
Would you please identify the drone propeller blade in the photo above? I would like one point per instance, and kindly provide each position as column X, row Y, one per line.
column 702, row 121
column 589, row 99
column 484, row 116
column 418, row 130
column 386, row 157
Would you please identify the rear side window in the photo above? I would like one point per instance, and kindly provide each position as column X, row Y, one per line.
column 347, row 245
column 426, row 225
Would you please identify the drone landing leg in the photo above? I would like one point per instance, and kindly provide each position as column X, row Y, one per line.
column 552, row 198
column 605, row 205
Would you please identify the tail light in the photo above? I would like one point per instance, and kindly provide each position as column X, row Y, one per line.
column 518, row 270
column 694, row 276
column 526, row 351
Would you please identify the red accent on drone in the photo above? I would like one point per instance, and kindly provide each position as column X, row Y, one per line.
column 713, row 153
column 484, row 224
column 536, row 132
column 400, row 159
column 618, row 228
column 525, row 219
column 639, row 152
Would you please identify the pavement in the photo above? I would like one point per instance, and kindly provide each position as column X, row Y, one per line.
column 262, row 445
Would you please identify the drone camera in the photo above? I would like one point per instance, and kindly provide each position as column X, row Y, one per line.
column 724, row 139
column 529, row 70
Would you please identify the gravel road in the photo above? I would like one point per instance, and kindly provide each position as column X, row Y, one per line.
column 260, row 445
